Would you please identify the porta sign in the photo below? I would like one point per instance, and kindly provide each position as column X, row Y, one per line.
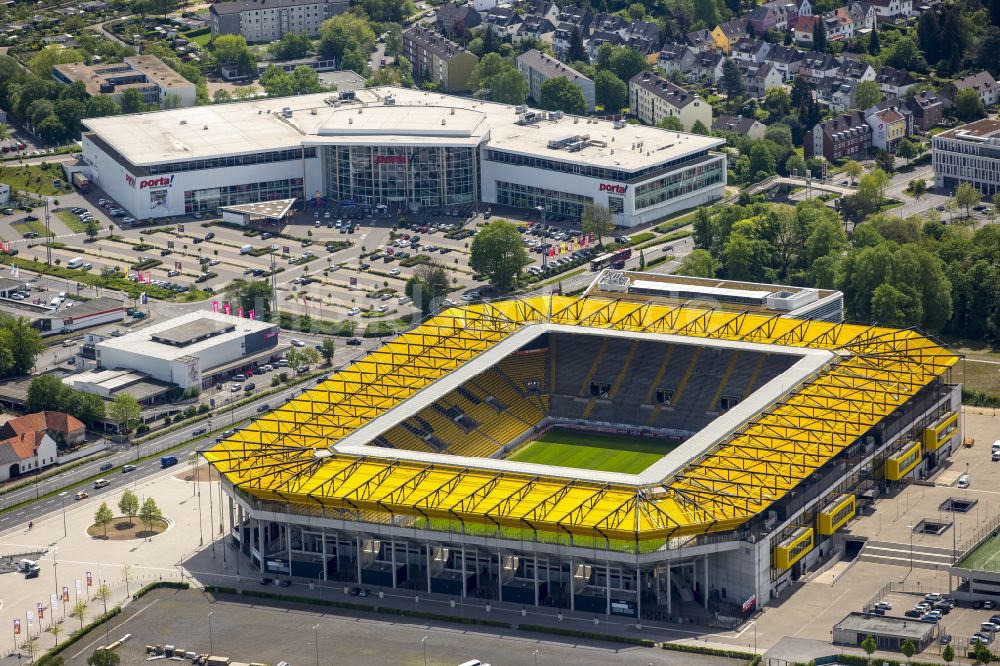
column 613, row 188
column 146, row 183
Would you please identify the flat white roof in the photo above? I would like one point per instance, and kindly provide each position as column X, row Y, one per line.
column 668, row 287
column 417, row 117
column 141, row 342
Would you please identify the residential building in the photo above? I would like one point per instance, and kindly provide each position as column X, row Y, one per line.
column 835, row 93
column 847, row 135
column 449, row 15
column 839, row 24
column 537, row 68
column 927, row 108
column 62, row 427
column 803, row 29
column 679, row 58
column 817, row 66
column 157, row 83
column 968, row 154
column 785, row 13
column 438, row 59
column 542, row 8
column 533, row 27
column 762, row 18
column 599, row 38
column 268, row 20
column 503, row 21
column 889, row 125
column 708, row 67
column 864, row 16
column 749, row 50
column 786, row 60
column 726, row 34
column 758, row 78
column 700, row 40
column 894, row 82
column 652, row 98
column 888, row 10
column 983, row 83
column 643, row 36
column 26, row 451
column 562, row 36
column 745, row 125
column 855, row 71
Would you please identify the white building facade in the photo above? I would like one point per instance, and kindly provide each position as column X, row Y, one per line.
column 405, row 149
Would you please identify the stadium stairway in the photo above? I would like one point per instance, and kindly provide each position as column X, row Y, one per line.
column 924, row 557
column 585, row 384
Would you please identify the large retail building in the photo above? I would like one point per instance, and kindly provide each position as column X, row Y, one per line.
column 402, row 148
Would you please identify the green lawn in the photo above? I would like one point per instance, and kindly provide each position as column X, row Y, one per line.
column 71, row 221
column 597, row 451
column 34, row 225
column 984, row 558
column 33, row 178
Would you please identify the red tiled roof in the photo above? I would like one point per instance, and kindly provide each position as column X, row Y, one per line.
column 40, row 421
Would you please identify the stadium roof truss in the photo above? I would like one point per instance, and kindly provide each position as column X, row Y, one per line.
column 292, row 455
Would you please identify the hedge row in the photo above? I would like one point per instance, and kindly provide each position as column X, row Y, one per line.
column 630, row 640
column 859, row 660
column 160, row 584
column 704, row 649
column 50, row 657
column 976, row 398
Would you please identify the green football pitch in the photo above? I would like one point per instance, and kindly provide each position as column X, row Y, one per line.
column 593, row 450
column 986, row 556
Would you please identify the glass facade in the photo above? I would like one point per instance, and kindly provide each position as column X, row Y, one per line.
column 213, row 197
column 678, row 184
column 403, row 175
column 265, row 157
column 583, row 169
column 554, row 201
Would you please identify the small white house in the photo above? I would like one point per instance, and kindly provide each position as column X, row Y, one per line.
column 26, row 452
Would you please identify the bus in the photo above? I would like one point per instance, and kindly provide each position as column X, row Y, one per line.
column 614, row 259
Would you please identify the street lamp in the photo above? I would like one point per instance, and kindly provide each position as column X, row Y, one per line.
column 316, row 632
column 211, row 648
column 535, row 656
column 62, row 496
column 423, row 642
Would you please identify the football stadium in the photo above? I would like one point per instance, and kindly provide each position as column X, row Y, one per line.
column 596, row 454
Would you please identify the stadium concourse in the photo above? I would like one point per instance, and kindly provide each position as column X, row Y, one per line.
column 422, row 466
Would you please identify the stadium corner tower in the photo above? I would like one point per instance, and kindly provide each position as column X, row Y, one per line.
column 715, row 455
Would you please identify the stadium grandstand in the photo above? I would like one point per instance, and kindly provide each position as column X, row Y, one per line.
column 600, row 454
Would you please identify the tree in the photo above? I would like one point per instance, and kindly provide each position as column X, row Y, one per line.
column 700, row 128
column 917, row 187
column 778, row 101
column 702, row 229
column 969, row 105
column 349, row 38
column 854, row 170
column 102, row 657
column 819, row 36
column 246, row 63
column 948, row 654
column 509, row 87
column 498, row 251
column 99, row 106
column 626, row 62
column 671, row 123
column 22, row 342
column 79, row 611
column 907, row 149
column 559, row 94
column 967, row 196
column 869, row 645
column 255, row 295
column 103, row 517
column 928, row 31
column 982, row 654
column 91, row 228
column 732, row 79
column 150, row 512
column 610, row 91
column 132, row 101
column 51, row 130
column 874, row 46
column 227, row 48
column 393, row 39
column 327, row 350
column 126, row 412
column 885, row 161
column 128, row 504
column 867, row 94
column 761, row 162
column 597, row 221
column 907, row 648
column 291, row 46
column 576, row 52
column 699, row 263
column 427, row 286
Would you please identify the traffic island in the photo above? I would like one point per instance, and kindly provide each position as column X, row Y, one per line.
column 123, row 528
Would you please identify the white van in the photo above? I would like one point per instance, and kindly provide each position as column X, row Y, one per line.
column 963, row 481
column 56, row 301
column 24, row 566
column 101, row 483
column 75, row 262
column 246, row 249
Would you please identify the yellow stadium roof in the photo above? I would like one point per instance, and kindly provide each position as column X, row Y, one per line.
column 287, row 456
